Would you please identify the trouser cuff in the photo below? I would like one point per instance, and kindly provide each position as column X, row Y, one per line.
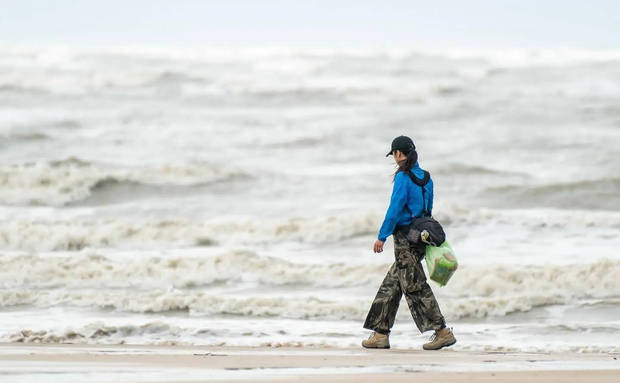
column 379, row 331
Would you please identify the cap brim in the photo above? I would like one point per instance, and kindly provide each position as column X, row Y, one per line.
column 389, row 153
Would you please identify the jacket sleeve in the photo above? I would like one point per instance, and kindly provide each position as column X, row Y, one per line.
column 397, row 203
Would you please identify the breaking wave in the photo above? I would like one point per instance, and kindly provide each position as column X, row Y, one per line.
column 163, row 332
column 57, row 183
column 46, row 235
column 77, row 234
column 94, row 332
column 532, row 218
column 310, row 307
column 98, row 271
column 155, row 284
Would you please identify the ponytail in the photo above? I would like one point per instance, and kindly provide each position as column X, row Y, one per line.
column 407, row 164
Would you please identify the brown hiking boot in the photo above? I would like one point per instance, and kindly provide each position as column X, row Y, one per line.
column 377, row 340
column 441, row 338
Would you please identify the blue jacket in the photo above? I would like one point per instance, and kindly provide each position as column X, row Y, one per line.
column 406, row 193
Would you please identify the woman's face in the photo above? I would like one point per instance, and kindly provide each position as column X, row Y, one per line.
column 399, row 156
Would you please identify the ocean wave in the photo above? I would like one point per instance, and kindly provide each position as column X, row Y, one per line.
column 584, row 194
column 35, row 130
column 93, row 270
column 163, row 334
column 57, row 183
column 155, row 284
column 96, row 332
column 452, row 169
column 194, row 302
column 166, row 333
column 294, row 307
column 538, row 218
column 595, row 279
column 36, row 234
column 348, row 71
column 20, row 137
column 78, row 233
column 45, row 235
column 508, row 58
column 97, row 271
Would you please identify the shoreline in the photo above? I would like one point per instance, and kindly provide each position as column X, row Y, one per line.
column 30, row 362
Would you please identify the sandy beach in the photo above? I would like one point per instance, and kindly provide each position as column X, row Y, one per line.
column 138, row 363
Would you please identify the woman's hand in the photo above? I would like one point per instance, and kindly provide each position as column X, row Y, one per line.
column 378, row 246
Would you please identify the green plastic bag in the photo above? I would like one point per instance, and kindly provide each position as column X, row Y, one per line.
column 440, row 263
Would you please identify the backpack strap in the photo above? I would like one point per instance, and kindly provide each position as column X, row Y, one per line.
column 421, row 183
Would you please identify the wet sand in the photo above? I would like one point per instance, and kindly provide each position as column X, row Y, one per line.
column 142, row 363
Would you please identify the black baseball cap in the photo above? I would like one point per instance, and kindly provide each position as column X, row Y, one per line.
column 402, row 143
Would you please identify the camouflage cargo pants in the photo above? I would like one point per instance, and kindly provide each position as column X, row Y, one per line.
column 405, row 277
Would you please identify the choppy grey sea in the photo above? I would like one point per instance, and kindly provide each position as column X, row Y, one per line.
column 231, row 196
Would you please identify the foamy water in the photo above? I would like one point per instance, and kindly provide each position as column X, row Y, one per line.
column 215, row 196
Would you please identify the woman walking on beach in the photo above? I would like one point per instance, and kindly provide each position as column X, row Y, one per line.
column 406, row 276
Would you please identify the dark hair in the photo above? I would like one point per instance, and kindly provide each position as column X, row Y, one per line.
column 407, row 164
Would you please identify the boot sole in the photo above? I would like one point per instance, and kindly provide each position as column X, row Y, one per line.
column 379, row 348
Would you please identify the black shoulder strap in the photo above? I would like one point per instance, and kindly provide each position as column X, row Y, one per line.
column 421, row 183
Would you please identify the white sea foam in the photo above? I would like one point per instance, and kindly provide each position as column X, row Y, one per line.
column 169, row 284
column 93, row 270
column 298, row 333
column 76, row 234
column 308, row 307
column 540, row 218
